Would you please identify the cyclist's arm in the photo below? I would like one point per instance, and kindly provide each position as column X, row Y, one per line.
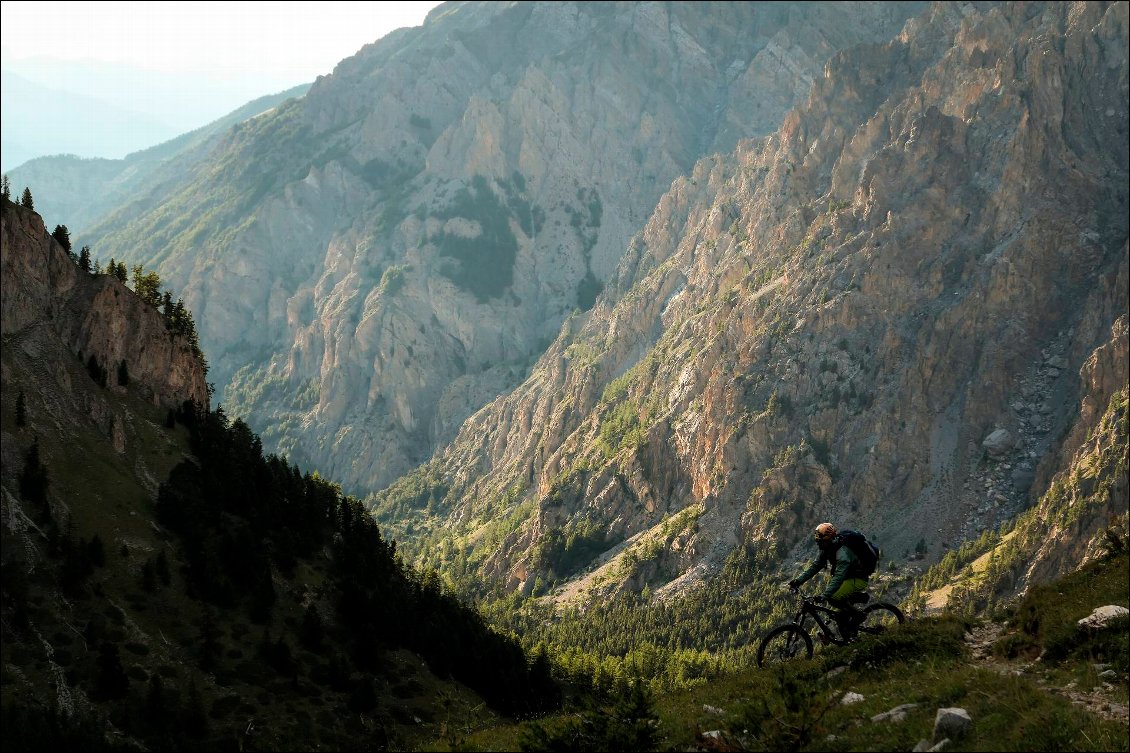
column 816, row 566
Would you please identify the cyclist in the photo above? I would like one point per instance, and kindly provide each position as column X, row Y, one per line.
column 849, row 577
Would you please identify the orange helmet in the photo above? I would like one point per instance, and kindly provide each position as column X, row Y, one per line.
column 825, row 532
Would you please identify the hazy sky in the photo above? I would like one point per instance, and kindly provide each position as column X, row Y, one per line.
column 293, row 42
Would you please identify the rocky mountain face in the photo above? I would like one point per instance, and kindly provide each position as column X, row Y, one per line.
column 374, row 262
column 900, row 311
column 54, row 312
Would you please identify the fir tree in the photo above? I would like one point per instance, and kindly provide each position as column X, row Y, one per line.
column 195, row 720
column 84, row 259
column 33, row 479
column 96, row 551
column 7, row 189
column 110, row 680
column 311, row 631
column 62, row 236
column 26, row 201
column 161, row 568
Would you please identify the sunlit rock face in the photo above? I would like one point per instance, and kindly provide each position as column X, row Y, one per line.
column 828, row 324
column 375, row 261
column 50, row 304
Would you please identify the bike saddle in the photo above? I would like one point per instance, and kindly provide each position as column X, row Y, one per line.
column 859, row 598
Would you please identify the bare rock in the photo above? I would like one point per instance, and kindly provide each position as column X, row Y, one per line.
column 1102, row 616
column 952, row 723
column 999, row 442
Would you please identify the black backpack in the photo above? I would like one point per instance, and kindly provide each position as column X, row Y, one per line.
column 867, row 552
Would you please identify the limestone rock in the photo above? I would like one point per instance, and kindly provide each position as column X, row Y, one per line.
column 1101, row 616
column 897, row 714
column 793, row 337
column 434, row 210
column 952, row 723
column 999, row 442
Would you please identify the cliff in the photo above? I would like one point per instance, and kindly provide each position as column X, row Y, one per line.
column 878, row 315
column 376, row 261
column 54, row 313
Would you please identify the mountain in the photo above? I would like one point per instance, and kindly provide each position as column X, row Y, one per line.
column 79, row 192
column 374, row 262
column 166, row 585
column 42, row 120
column 903, row 311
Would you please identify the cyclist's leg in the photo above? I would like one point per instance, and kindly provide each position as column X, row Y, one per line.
column 848, row 616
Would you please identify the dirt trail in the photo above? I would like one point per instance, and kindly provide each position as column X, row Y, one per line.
column 1098, row 700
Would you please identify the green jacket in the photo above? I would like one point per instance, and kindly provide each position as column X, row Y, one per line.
column 844, row 565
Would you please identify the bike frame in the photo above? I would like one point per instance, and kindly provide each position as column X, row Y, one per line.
column 808, row 609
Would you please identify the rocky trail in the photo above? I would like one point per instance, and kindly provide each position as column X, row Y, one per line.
column 1099, row 699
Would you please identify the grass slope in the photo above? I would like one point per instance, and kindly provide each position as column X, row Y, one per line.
column 1015, row 705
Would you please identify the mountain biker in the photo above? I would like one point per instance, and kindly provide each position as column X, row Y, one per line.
column 848, row 576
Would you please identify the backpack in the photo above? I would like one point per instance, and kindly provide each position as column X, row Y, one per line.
column 867, row 552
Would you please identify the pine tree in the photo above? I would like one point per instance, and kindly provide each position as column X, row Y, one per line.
column 195, row 720
column 161, row 568
column 148, row 577
column 62, row 236
column 111, row 680
column 7, row 189
column 96, row 551
column 209, row 640
column 26, row 201
column 311, row 631
column 33, row 479
column 84, row 259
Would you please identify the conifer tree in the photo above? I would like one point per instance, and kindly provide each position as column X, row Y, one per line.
column 96, row 551
column 84, row 259
column 111, row 680
column 161, row 568
column 7, row 189
column 311, row 631
column 26, row 201
column 195, row 720
column 62, row 236
column 33, row 479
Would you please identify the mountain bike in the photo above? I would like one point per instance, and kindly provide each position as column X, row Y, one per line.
column 792, row 639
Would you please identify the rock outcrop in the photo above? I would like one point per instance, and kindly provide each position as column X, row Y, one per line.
column 49, row 305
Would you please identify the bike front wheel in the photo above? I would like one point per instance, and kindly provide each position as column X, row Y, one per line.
column 782, row 644
column 879, row 618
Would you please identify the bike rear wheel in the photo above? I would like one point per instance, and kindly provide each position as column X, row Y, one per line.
column 782, row 644
column 878, row 618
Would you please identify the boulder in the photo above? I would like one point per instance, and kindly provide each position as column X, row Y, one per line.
column 1102, row 616
column 953, row 723
column 897, row 714
column 998, row 442
column 850, row 698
